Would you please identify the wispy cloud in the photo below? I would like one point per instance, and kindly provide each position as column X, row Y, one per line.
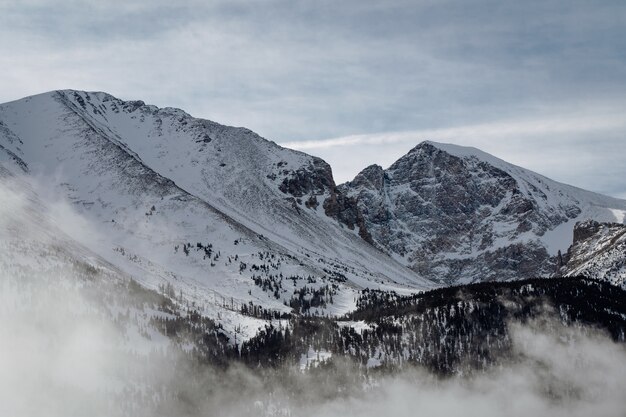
column 585, row 148
column 498, row 131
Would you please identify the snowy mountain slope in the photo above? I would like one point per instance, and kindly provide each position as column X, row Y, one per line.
column 165, row 208
column 598, row 251
column 458, row 214
column 253, row 180
column 40, row 241
column 80, row 337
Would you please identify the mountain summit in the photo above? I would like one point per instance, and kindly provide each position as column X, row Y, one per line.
column 457, row 214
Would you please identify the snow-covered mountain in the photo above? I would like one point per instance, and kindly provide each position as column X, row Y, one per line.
column 82, row 338
column 457, row 214
column 225, row 216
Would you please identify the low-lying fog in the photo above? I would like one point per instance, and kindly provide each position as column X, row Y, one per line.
column 68, row 347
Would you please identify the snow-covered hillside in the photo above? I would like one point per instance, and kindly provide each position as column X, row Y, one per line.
column 221, row 215
column 457, row 214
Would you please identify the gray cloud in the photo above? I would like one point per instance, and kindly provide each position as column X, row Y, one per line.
column 297, row 70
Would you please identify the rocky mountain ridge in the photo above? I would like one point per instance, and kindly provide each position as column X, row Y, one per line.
column 156, row 264
column 456, row 214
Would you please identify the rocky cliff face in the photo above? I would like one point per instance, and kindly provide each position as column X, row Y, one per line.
column 598, row 251
column 314, row 182
column 458, row 214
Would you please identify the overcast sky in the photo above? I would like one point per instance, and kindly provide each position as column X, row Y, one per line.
column 538, row 83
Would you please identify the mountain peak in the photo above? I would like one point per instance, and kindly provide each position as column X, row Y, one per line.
column 460, row 151
column 371, row 176
column 454, row 212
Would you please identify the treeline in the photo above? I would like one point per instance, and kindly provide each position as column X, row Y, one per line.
column 447, row 330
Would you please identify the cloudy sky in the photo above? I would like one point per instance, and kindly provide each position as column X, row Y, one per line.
column 538, row 83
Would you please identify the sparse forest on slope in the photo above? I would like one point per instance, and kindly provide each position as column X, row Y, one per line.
column 448, row 330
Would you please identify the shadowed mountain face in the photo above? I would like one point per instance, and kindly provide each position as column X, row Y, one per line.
column 599, row 251
column 457, row 214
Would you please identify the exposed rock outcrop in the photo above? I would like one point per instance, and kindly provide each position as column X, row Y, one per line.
column 598, row 251
column 458, row 215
